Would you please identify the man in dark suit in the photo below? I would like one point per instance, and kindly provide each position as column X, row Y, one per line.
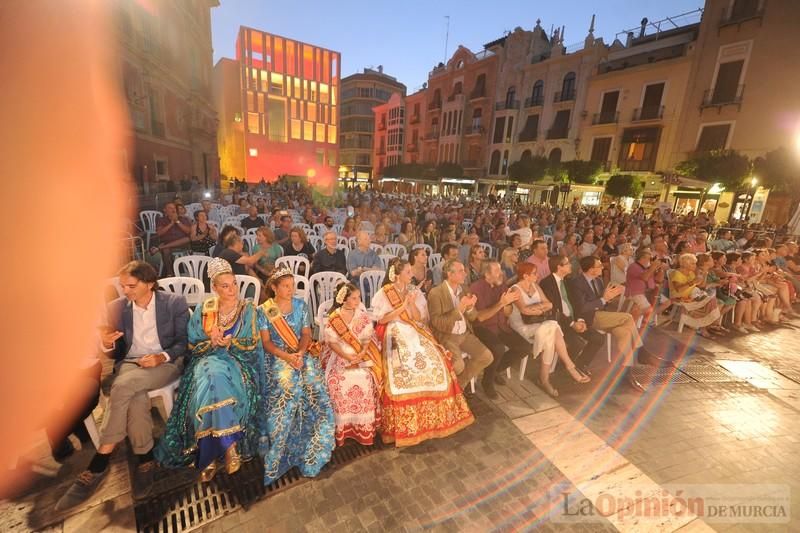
column 589, row 299
column 581, row 341
column 147, row 337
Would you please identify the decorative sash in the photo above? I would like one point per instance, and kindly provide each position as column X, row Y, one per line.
column 284, row 330
column 396, row 301
column 374, row 354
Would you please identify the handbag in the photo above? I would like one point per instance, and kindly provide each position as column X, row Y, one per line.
column 536, row 319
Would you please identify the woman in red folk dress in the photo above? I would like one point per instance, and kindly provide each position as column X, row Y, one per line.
column 352, row 367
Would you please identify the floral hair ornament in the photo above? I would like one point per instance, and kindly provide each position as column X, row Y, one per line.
column 341, row 295
column 392, row 275
column 279, row 273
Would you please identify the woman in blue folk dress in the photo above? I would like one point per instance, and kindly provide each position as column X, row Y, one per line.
column 299, row 414
column 220, row 411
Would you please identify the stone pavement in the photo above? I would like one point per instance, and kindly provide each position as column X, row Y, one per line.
column 722, row 412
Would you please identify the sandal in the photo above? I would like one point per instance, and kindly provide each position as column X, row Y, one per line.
column 547, row 388
column 577, row 375
column 706, row 334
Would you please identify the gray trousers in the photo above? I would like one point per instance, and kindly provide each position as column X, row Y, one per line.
column 128, row 410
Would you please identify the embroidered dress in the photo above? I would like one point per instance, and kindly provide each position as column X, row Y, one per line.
column 421, row 398
column 354, row 391
column 220, row 399
column 299, row 415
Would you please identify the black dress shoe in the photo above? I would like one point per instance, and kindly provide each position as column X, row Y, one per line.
column 499, row 379
column 583, row 369
column 63, row 450
column 143, row 480
column 633, row 382
column 81, row 489
column 646, row 357
column 488, row 389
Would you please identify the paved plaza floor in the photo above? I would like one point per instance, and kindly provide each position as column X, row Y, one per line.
column 719, row 420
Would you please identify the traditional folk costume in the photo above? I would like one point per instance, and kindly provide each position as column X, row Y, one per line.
column 354, row 390
column 421, row 397
column 220, row 400
column 299, row 415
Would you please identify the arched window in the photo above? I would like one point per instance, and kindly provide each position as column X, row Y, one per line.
column 437, row 96
column 504, row 169
column 555, row 156
column 510, row 94
column 526, row 155
column 537, row 95
column 480, row 87
column 568, row 87
column 494, row 165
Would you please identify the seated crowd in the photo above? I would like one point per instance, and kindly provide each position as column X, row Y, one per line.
column 254, row 383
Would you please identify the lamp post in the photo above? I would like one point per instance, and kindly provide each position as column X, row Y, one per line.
column 753, row 185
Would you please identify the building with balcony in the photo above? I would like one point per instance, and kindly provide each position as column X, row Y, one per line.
column 165, row 62
column 459, row 106
column 741, row 92
column 361, row 92
column 629, row 122
column 278, row 105
column 389, row 138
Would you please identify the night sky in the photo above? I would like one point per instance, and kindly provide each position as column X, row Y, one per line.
column 408, row 38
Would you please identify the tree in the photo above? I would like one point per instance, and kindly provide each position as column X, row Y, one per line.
column 449, row 170
column 578, row 171
column 624, row 186
column 779, row 170
column 528, row 169
column 728, row 167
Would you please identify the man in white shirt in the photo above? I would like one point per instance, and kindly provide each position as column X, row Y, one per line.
column 451, row 310
column 147, row 337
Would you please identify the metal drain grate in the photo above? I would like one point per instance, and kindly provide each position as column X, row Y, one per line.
column 181, row 503
column 709, row 373
column 659, row 375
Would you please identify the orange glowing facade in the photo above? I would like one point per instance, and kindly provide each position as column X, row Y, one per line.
column 278, row 108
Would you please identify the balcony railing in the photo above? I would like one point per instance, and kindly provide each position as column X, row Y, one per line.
column 564, row 96
column 414, row 119
column 412, row 147
column 475, row 130
column 528, row 136
column 455, row 97
column 534, row 101
column 648, row 113
column 435, row 105
column 731, row 16
column 381, row 126
column 508, row 104
column 431, row 135
column 558, row 133
column 713, row 97
column 605, row 117
column 476, row 94
column 633, row 165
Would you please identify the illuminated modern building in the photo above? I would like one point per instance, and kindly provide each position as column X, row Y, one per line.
column 278, row 109
column 165, row 65
column 361, row 92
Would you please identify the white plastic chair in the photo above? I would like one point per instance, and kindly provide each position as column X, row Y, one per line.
column 167, row 396
column 306, row 228
column 320, row 229
column 428, row 248
column 344, row 248
column 194, row 266
column 245, row 283
column 548, row 239
column 293, row 263
column 370, row 282
column 488, row 249
column 465, row 355
column 337, row 228
column 233, row 221
column 342, row 241
column 322, row 287
column 321, row 318
column 316, row 242
column 376, row 247
column 190, row 288
column 434, row 260
column 385, row 258
column 148, row 219
column 251, row 231
column 301, row 287
column 249, row 243
column 352, row 242
column 397, row 250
